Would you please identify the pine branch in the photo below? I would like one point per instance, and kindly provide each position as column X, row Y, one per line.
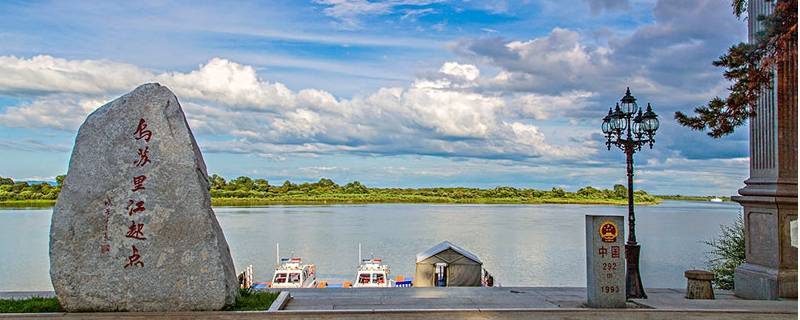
column 750, row 67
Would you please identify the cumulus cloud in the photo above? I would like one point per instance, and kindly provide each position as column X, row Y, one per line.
column 465, row 71
column 46, row 74
column 230, row 83
column 59, row 111
column 668, row 59
column 545, row 64
column 438, row 115
column 543, row 107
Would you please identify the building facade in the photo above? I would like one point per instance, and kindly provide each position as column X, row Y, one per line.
column 769, row 197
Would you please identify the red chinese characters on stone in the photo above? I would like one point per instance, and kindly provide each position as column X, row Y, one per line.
column 142, row 132
column 144, row 157
column 134, row 259
column 138, row 183
column 602, row 251
column 135, row 231
column 105, row 248
column 135, row 207
column 106, row 214
column 615, row 252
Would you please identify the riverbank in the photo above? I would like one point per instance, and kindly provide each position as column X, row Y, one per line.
column 327, row 199
column 692, row 198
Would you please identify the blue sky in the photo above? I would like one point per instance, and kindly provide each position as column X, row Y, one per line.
column 405, row 93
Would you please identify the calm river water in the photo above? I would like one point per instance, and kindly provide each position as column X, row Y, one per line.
column 521, row 245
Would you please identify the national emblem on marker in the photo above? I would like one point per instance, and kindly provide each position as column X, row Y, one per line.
column 608, row 231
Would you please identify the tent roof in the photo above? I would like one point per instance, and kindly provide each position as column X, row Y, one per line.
column 444, row 245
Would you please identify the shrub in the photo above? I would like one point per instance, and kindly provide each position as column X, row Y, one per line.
column 727, row 253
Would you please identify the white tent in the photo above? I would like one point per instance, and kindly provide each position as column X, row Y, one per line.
column 447, row 264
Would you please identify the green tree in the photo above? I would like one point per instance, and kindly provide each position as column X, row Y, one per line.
column 6, row 181
column 620, row 191
column 261, row 185
column 588, row 191
column 19, row 186
column 558, row 192
column 355, row 187
column 60, row 180
column 750, row 67
column 727, row 252
column 217, row 182
column 243, row 183
column 326, row 183
column 288, row 186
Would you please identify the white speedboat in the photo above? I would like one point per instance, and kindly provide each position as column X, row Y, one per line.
column 292, row 273
column 715, row 199
column 372, row 274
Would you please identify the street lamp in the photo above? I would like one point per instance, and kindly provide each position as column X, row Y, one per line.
column 628, row 128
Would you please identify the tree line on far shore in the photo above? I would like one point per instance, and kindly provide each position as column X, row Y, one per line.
column 249, row 188
column 22, row 190
column 246, row 187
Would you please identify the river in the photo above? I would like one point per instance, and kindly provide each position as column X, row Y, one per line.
column 521, row 245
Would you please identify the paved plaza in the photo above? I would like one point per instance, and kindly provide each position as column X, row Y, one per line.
column 510, row 298
column 469, row 303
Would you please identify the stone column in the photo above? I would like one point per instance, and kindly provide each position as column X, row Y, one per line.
column 770, row 195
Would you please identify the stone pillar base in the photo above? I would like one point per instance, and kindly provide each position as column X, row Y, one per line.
column 762, row 283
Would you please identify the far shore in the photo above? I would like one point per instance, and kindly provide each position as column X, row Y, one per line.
column 247, row 202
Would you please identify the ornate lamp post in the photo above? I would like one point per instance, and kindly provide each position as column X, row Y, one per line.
column 629, row 129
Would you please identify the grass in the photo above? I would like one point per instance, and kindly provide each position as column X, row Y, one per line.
column 27, row 203
column 249, row 300
column 252, row 300
column 30, row 305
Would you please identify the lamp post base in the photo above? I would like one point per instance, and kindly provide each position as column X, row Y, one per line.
column 633, row 283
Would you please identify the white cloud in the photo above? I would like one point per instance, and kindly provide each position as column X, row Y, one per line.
column 667, row 60
column 227, row 82
column 348, row 12
column 413, row 15
column 442, row 116
column 59, row 111
column 46, row 74
column 555, row 62
column 543, row 107
column 465, row 71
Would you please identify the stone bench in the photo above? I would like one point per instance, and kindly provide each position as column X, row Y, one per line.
column 698, row 284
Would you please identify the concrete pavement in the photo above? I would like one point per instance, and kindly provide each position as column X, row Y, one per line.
column 498, row 298
column 470, row 303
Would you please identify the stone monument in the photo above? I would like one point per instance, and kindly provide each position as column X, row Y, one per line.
column 133, row 227
column 770, row 195
column 605, row 262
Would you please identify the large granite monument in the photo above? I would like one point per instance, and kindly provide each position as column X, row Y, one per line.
column 133, row 227
column 770, row 195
